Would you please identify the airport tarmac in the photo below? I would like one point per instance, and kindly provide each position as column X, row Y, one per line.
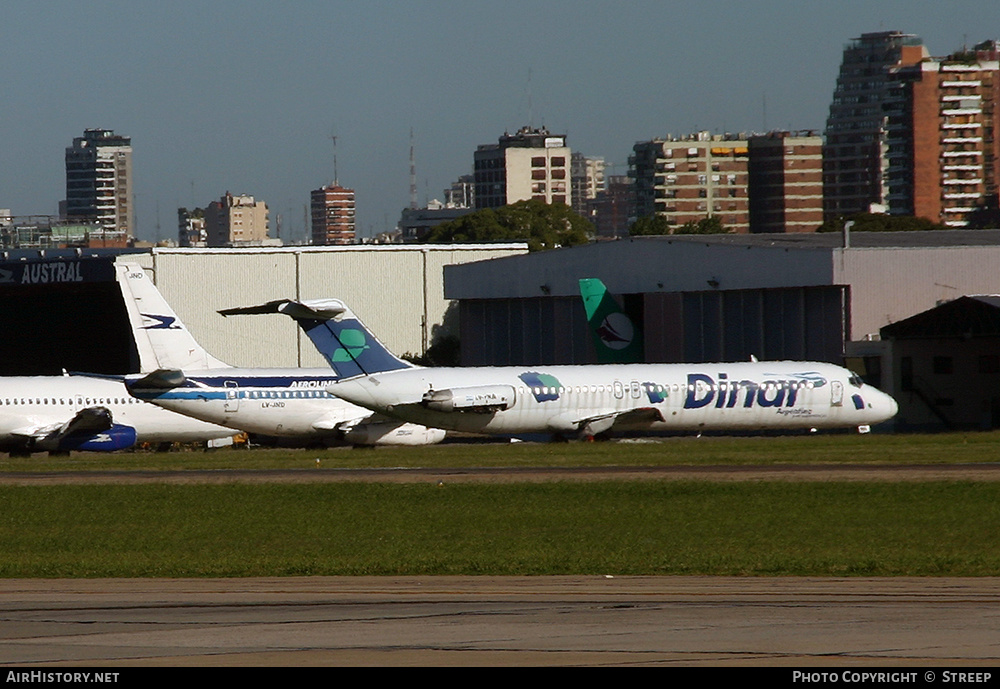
column 501, row 621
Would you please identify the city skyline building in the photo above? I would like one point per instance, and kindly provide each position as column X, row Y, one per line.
column 785, row 182
column 99, row 185
column 691, row 178
column 910, row 134
column 333, row 215
column 946, row 166
column 236, row 220
column 855, row 169
column 587, row 181
column 614, row 208
column 529, row 164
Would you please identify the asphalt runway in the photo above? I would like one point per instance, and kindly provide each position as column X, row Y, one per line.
column 507, row 621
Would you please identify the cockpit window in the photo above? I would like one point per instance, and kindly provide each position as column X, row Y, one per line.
column 855, row 380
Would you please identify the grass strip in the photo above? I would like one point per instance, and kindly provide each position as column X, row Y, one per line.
column 617, row 528
column 790, row 449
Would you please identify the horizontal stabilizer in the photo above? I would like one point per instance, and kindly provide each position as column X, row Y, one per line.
column 319, row 309
column 347, row 345
column 164, row 378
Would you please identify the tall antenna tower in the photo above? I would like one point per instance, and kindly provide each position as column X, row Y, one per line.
column 413, row 175
column 336, row 180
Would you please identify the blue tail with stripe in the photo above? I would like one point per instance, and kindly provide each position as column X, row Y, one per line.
column 343, row 340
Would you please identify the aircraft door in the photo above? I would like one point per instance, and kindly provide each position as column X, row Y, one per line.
column 232, row 396
column 836, row 393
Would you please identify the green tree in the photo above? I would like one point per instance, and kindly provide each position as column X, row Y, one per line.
column 541, row 225
column 651, row 225
column 657, row 224
column 986, row 215
column 707, row 225
column 879, row 222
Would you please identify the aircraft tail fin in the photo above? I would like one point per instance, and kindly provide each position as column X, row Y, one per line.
column 162, row 340
column 617, row 340
column 343, row 340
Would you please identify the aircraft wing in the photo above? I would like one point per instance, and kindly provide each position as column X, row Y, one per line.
column 89, row 420
column 337, row 422
column 601, row 422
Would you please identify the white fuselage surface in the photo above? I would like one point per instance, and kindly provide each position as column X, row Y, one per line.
column 594, row 398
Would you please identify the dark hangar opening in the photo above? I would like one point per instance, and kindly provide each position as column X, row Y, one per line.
column 69, row 317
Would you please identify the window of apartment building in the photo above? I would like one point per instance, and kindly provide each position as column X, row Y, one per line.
column 538, row 161
column 559, row 174
column 538, row 174
column 559, row 161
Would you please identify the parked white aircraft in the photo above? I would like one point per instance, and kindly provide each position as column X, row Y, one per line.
column 63, row 413
column 283, row 403
column 591, row 399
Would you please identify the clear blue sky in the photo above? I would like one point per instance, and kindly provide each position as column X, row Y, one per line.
column 244, row 96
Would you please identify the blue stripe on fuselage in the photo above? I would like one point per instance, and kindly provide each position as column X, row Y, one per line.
column 283, row 382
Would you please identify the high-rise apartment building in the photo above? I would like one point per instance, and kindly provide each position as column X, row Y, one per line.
column 461, row 193
column 785, row 182
column 688, row 179
column 855, row 164
column 913, row 135
column 99, row 183
column 530, row 164
column 333, row 211
column 614, row 207
column 944, row 154
column 587, row 181
column 236, row 220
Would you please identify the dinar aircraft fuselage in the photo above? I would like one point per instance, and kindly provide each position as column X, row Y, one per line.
column 591, row 399
column 63, row 413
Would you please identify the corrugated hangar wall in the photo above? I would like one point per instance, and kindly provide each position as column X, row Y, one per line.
column 397, row 290
column 805, row 323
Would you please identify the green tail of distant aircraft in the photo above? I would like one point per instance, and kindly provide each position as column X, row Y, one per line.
column 616, row 339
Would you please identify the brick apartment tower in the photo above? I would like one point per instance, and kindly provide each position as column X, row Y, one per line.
column 953, row 104
column 332, row 215
column 786, row 182
column 688, row 179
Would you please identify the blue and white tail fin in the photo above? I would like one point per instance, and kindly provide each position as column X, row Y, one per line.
column 162, row 340
column 343, row 340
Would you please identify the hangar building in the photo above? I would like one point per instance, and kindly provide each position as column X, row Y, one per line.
column 947, row 365
column 62, row 309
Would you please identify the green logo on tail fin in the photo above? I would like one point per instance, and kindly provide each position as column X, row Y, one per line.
column 617, row 340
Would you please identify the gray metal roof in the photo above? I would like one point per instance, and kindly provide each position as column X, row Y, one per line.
column 858, row 240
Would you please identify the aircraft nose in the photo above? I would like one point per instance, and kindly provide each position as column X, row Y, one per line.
column 887, row 405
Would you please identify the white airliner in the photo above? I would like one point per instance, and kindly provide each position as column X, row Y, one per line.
column 63, row 413
column 591, row 399
column 290, row 403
